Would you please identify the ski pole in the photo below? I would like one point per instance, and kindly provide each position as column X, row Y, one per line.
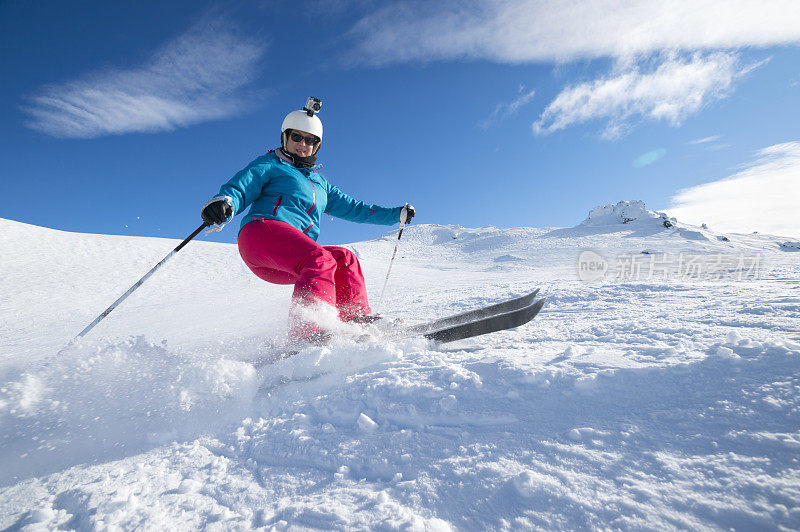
column 139, row 283
column 403, row 217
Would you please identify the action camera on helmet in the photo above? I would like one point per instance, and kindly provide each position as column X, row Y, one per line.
column 313, row 105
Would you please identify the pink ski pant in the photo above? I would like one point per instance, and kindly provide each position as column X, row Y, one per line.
column 279, row 253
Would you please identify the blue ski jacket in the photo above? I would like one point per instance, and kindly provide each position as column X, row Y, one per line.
column 277, row 190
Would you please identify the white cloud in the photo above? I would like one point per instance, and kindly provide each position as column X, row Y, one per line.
column 704, row 140
column 528, row 31
column 762, row 197
column 674, row 89
column 503, row 110
column 197, row 77
column 521, row 31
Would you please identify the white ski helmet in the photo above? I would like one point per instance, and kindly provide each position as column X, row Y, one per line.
column 301, row 121
column 304, row 120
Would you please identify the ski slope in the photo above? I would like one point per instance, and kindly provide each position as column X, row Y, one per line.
column 644, row 398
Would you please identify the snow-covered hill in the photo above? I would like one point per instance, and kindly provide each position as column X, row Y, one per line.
column 659, row 388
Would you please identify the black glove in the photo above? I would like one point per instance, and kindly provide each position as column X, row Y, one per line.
column 217, row 211
column 409, row 212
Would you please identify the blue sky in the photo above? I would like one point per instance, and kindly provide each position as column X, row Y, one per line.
column 124, row 118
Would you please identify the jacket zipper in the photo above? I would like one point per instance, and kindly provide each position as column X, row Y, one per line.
column 313, row 204
column 313, row 197
column 277, row 204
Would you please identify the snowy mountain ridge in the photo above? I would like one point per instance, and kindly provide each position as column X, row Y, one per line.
column 625, row 212
column 635, row 213
column 642, row 400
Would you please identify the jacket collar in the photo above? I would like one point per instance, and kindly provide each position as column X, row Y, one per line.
column 283, row 157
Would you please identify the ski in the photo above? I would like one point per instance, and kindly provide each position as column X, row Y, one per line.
column 472, row 315
column 480, row 326
column 493, row 318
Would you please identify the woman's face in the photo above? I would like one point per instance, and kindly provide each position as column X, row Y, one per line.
column 300, row 148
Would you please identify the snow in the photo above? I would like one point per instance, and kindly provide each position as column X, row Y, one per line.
column 661, row 391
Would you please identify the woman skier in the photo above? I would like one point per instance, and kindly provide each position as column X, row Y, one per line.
column 277, row 238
